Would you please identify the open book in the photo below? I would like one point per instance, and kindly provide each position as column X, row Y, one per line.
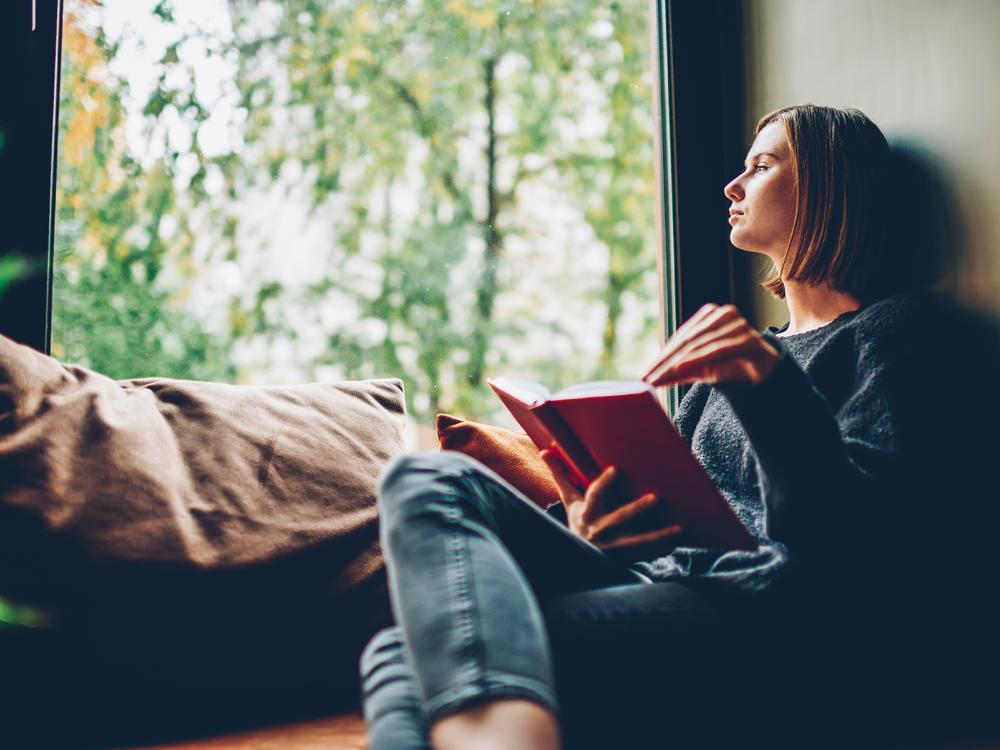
column 621, row 423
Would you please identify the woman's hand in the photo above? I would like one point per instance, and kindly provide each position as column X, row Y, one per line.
column 715, row 345
column 617, row 531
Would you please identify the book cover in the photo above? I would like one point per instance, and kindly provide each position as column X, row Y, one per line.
column 622, row 424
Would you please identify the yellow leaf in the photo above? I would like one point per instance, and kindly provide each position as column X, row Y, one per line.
column 362, row 20
column 360, row 53
column 485, row 19
column 93, row 246
column 90, row 100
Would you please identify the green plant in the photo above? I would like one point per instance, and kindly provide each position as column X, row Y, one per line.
column 12, row 267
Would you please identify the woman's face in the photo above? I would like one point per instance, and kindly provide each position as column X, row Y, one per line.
column 763, row 196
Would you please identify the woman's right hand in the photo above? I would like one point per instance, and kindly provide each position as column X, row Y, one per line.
column 618, row 531
column 715, row 345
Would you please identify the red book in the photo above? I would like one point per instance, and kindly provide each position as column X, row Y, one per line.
column 621, row 423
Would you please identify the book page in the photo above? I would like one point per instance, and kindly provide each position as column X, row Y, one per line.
column 528, row 393
column 604, row 388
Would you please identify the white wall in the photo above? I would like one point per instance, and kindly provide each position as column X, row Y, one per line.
column 925, row 70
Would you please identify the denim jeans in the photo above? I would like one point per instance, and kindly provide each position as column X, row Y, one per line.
column 485, row 586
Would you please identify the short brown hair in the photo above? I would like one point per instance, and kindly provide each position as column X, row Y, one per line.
column 841, row 162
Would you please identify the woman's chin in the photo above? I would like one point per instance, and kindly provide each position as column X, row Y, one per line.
column 747, row 245
column 741, row 243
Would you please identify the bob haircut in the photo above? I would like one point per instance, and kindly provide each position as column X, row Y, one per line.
column 842, row 162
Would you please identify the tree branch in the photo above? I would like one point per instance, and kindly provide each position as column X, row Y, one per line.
column 426, row 131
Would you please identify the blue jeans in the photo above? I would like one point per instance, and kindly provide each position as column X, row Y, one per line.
column 490, row 595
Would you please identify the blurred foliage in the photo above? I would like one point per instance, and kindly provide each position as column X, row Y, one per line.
column 12, row 267
column 111, row 309
column 463, row 107
column 13, row 614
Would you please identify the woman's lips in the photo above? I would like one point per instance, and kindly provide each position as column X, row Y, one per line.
column 734, row 217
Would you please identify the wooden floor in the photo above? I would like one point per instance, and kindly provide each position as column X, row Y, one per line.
column 346, row 732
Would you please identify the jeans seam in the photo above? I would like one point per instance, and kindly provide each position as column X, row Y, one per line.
column 464, row 587
column 458, row 695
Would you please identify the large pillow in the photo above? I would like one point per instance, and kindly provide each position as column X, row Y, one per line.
column 510, row 454
column 174, row 492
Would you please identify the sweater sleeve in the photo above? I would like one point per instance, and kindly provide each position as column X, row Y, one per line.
column 820, row 471
column 690, row 410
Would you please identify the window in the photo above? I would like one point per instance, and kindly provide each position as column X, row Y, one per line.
column 278, row 192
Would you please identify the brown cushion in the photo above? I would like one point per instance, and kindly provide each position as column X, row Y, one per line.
column 194, row 475
column 510, row 454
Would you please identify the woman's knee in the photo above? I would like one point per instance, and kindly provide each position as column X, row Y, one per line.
column 418, row 477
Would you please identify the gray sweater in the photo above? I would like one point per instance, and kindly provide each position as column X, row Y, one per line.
column 804, row 454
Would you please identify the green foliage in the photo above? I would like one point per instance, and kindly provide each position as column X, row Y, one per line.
column 420, row 134
column 13, row 614
column 113, row 309
column 12, row 267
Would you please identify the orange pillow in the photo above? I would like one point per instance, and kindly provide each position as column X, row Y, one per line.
column 510, row 454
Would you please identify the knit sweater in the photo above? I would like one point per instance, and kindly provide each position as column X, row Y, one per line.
column 802, row 456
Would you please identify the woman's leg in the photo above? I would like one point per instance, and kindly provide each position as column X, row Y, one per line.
column 665, row 665
column 395, row 717
column 393, row 714
column 467, row 557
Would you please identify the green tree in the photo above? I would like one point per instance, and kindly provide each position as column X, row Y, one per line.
column 375, row 83
column 114, row 308
column 423, row 134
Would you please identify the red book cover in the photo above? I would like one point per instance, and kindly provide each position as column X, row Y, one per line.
column 623, row 424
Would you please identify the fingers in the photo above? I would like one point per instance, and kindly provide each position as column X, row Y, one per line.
column 599, row 529
column 717, row 345
column 644, row 539
column 716, row 316
column 705, row 321
column 687, row 327
column 567, row 492
column 715, row 352
column 680, row 335
column 622, row 515
column 748, row 357
column 595, row 499
column 722, row 330
column 709, row 354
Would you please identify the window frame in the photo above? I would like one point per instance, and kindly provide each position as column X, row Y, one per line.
column 699, row 46
column 699, row 106
column 705, row 82
column 30, row 53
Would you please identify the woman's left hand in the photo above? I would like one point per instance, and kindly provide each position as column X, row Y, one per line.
column 634, row 529
column 715, row 345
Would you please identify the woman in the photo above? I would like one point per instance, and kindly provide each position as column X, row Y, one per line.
column 795, row 426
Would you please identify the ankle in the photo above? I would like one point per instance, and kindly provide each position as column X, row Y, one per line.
column 509, row 724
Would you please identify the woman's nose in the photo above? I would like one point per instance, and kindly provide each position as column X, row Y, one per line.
column 734, row 190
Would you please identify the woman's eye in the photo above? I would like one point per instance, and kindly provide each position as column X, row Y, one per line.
column 760, row 168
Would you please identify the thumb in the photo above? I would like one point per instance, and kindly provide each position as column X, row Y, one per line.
column 560, row 473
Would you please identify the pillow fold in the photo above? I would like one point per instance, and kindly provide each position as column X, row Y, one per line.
column 510, row 454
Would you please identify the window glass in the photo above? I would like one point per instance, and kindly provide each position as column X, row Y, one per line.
column 442, row 190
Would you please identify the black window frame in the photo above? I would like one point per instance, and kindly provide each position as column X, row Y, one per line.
column 704, row 67
column 30, row 51
column 698, row 66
